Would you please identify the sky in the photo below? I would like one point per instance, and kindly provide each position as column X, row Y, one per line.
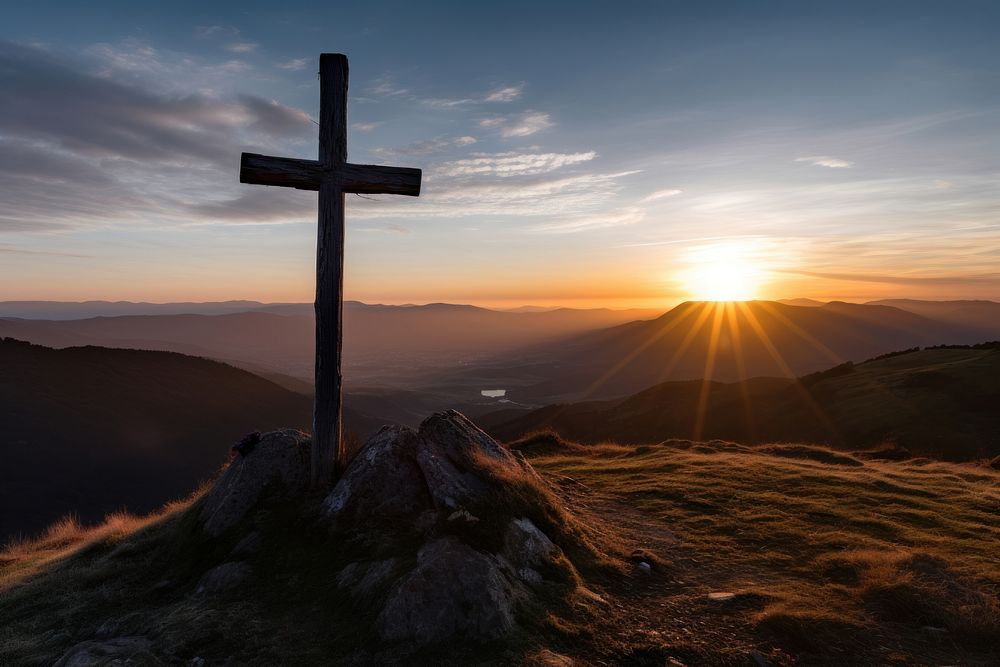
column 583, row 153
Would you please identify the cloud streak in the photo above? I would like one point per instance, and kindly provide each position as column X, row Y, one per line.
column 826, row 161
column 519, row 125
column 510, row 164
column 989, row 279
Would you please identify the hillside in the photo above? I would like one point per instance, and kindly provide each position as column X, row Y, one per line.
column 718, row 553
column 979, row 315
column 935, row 402
column 725, row 342
column 91, row 430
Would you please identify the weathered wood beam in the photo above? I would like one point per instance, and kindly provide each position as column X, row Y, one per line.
column 308, row 174
column 284, row 171
column 328, row 455
column 374, row 179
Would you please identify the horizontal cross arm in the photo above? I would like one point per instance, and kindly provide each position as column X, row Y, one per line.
column 373, row 179
column 285, row 171
column 308, row 174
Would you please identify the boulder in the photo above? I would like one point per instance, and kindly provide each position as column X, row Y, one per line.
column 117, row 651
column 278, row 460
column 447, row 466
column 223, row 578
column 453, row 590
column 526, row 546
column 365, row 579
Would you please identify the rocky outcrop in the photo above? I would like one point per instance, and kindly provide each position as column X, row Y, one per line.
column 117, row 651
column 453, row 590
column 223, row 578
column 277, row 460
column 447, row 525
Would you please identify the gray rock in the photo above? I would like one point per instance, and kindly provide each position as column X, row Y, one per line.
column 454, row 591
column 223, row 578
column 248, row 546
column 365, row 580
column 721, row 596
column 645, row 568
column 404, row 479
column 281, row 458
column 119, row 651
column 524, row 545
column 464, row 516
column 529, row 576
column 56, row 638
column 382, row 481
column 452, row 453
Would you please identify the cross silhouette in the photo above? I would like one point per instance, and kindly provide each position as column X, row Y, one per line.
column 332, row 175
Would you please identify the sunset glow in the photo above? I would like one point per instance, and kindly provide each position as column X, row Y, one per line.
column 533, row 184
column 722, row 272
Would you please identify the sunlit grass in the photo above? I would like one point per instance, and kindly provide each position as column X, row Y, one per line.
column 23, row 556
column 828, row 540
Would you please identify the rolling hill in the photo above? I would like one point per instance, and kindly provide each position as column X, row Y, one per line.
column 90, row 430
column 978, row 315
column 940, row 403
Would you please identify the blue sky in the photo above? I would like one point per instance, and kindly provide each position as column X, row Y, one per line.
column 576, row 153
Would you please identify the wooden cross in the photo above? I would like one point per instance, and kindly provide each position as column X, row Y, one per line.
column 332, row 175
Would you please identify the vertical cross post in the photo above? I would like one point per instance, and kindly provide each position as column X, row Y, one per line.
column 331, row 175
column 328, row 448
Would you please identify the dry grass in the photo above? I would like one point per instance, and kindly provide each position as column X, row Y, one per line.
column 824, row 549
column 22, row 557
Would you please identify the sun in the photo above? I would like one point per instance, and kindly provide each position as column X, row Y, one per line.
column 721, row 272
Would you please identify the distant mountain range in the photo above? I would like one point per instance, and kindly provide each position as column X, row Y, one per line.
column 401, row 361
column 380, row 342
column 79, row 310
column 941, row 403
column 724, row 342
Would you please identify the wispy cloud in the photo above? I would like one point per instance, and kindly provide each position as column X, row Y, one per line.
column 385, row 87
column 945, row 280
column 511, row 164
column 538, row 196
column 826, row 161
column 428, row 146
column 390, row 228
column 508, row 94
column 445, row 103
column 241, row 47
column 12, row 250
column 210, row 30
column 658, row 195
column 519, row 125
column 572, row 225
column 365, row 127
column 294, row 64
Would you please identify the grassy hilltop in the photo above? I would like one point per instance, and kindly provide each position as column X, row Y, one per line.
column 829, row 559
